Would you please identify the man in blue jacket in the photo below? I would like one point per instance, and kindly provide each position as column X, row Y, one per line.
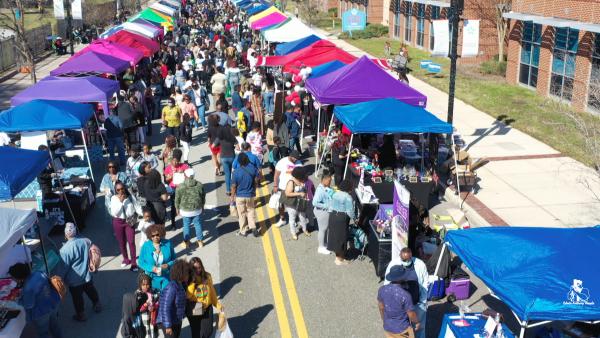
column 295, row 127
column 114, row 137
column 75, row 255
column 39, row 299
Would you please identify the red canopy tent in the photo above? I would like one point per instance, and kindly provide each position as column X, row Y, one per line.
column 141, row 43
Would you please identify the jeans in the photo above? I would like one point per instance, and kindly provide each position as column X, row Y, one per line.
column 125, row 235
column 193, row 122
column 197, row 222
column 77, row 295
column 322, row 217
column 173, row 131
column 157, row 108
column 118, row 143
column 295, row 141
column 292, row 213
column 149, row 124
column 421, row 310
column 202, row 115
column 227, row 163
column 268, row 102
column 47, row 326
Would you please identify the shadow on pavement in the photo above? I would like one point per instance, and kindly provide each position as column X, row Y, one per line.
column 226, row 285
column 247, row 324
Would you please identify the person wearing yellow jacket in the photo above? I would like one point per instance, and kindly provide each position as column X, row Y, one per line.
column 202, row 296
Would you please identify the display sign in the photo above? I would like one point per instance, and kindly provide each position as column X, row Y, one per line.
column 441, row 36
column 400, row 219
column 470, row 35
column 353, row 20
column 59, row 9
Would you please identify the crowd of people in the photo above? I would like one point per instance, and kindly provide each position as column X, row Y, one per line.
column 204, row 78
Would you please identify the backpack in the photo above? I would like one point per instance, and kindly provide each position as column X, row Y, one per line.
column 95, row 258
column 59, row 286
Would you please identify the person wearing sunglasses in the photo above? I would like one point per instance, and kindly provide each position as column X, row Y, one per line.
column 123, row 209
column 157, row 256
column 107, row 186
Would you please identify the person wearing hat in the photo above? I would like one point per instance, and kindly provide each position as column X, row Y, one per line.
column 396, row 307
column 283, row 174
column 75, row 255
column 189, row 202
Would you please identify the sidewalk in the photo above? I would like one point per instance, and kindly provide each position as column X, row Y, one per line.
column 527, row 182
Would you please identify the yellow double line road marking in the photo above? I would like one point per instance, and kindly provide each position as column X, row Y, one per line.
column 263, row 215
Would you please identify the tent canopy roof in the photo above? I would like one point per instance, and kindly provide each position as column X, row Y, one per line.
column 147, row 30
column 92, row 62
column 360, row 81
column 14, row 223
column 262, row 14
column 118, row 50
column 389, row 116
column 77, row 89
column 163, row 8
column 291, row 30
column 316, row 54
column 256, row 9
column 540, row 273
column 19, row 167
column 40, row 115
column 141, row 43
column 326, row 68
column 267, row 21
column 295, row 45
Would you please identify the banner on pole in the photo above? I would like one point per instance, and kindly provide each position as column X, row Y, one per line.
column 76, row 10
column 400, row 219
column 59, row 9
column 441, row 36
column 470, row 43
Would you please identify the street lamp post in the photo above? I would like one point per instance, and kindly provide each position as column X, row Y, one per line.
column 456, row 7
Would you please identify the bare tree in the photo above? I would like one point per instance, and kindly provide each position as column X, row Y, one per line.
column 502, row 6
column 309, row 11
column 14, row 20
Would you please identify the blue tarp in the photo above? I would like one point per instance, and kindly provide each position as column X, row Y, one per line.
column 389, row 116
column 111, row 31
column 326, row 68
column 255, row 9
column 39, row 115
column 292, row 46
column 19, row 167
column 540, row 273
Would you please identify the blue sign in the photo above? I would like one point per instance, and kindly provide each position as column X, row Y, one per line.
column 353, row 19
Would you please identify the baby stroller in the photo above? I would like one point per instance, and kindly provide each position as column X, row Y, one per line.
column 359, row 241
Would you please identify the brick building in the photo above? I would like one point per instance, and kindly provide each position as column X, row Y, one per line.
column 325, row 5
column 373, row 8
column 554, row 49
column 411, row 22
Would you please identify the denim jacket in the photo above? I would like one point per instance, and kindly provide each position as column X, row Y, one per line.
column 342, row 202
column 322, row 198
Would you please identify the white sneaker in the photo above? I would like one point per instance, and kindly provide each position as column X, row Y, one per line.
column 124, row 265
column 323, row 251
column 280, row 223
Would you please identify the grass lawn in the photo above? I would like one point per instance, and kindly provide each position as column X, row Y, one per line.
column 34, row 19
column 542, row 118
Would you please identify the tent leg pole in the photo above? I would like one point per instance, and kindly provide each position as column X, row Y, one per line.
column 318, row 132
column 347, row 158
column 302, row 132
column 456, row 168
column 87, row 154
column 522, row 333
column 422, row 139
column 439, row 261
column 39, row 231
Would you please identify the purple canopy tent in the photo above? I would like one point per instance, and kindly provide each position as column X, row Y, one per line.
column 77, row 89
column 361, row 81
column 92, row 63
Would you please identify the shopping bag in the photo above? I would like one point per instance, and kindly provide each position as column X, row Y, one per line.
column 233, row 210
column 274, row 200
column 225, row 333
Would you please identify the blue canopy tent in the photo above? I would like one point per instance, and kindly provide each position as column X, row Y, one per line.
column 538, row 272
column 387, row 115
column 326, row 68
column 255, row 9
column 292, row 46
column 19, row 167
column 42, row 115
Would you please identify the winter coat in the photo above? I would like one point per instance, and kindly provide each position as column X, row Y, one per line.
column 190, row 195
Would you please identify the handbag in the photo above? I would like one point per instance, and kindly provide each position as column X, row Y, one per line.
column 301, row 204
column 233, row 210
column 274, row 200
column 198, row 309
column 132, row 220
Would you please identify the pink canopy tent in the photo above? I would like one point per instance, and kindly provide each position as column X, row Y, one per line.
column 269, row 20
column 114, row 49
column 141, row 43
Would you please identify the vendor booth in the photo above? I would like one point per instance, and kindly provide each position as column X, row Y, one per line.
column 163, row 9
column 326, row 68
column 86, row 89
column 542, row 274
column 71, row 186
column 263, row 14
column 257, row 8
column 102, row 46
column 143, row 44
column 292, row 46
column 269, row 20
column 147, row 30
column 291, row 30
column 20, row 167
column 316, row 54
column 91, row 63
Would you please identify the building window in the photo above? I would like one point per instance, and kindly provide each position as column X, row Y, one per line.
column 594, row 84
column 435, row 15
column 397, row 25
column 563, row 63
column 420, row 24
column 530, row 53
column 408, row 23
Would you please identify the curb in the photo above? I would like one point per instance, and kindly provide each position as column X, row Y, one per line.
column 472, row 216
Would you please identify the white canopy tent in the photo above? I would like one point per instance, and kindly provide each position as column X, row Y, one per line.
column 163, row 9
column 172, row 2
column 14, row 223
column 140, row 29
column 292, row 30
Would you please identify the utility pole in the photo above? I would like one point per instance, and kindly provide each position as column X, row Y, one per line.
column 456, row 7
column 69, row 26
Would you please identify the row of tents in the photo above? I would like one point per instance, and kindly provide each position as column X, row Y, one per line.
column 542, row 274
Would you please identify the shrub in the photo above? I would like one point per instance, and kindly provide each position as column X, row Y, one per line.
column 332, row 12
column 371, row 31
column 493, row 67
